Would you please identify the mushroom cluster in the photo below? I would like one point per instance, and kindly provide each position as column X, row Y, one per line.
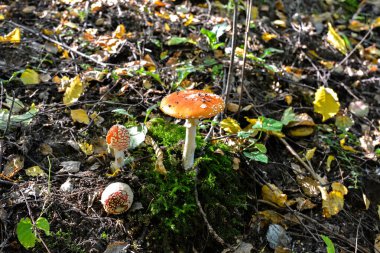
column 191, row 105
column 118, row 140
column 117, row 198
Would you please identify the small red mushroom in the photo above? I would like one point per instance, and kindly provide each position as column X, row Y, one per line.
column 118, row 140
column 117, row 198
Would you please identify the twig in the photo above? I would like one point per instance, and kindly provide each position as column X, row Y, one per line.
column 33, row 221
column 60, row 44
column 204, row 216
column 249, row 3
column 227, row 89
column 309, row 168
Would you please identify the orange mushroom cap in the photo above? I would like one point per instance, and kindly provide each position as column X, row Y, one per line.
column 192, row 104
column 118, row 137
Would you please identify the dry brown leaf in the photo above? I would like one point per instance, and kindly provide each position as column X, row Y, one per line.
column 309, row 186
column 271, row 193
column 159, row 167
column 13, row 166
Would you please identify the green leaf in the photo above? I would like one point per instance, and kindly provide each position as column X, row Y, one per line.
column 329, row 244
column 256, row 156
column 261, row 147
column 174, row 41
column 122, row 112
column 267, row 124
column 288, row 116
column 155, row 76
column 271, row 51
column 43, row 224
column 25, row 233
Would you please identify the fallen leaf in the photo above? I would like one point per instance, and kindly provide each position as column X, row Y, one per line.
column 329, row 160
column 268, row 36
column 69, row 167
column 119, row 32
column 13, row 166
column 308, row 185
column 310, row 153
column 304, row 204
column 271, row 193
column 74, row 91
column 80, row 115
column 29, row 77
column 343, row 122
column 326, row 103
column 333, row 202
column 336, row 40
column 35, row 171
column 366, row 201
column 12, row 37
column 232, row 107
column 359, row 108
column 343, row 145
column 86, row 148
column 230, row 125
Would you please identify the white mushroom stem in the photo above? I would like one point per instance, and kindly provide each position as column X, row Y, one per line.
column 119, row 159
column 190, row 145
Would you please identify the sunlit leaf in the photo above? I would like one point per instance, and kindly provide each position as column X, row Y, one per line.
column 12, row 37
column 43, row 224
column 25, row 233
column 271, row 193
column 178, row 41
column 268, row 36
column 308, row 185
column 230, row 125
column 74, row 91
column 80, row 115
column 336, row 40
column 329, row 160
column 86, row 148
column 288, row 116
column 330, row 248
column 310, row 153
column 343, row 122
column 343, row 145
column 29, row 77
column 159, row 166
column 35, row 171
column 326, row 103
column 333, row 202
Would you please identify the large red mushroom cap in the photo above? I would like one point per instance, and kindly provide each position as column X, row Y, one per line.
column 117, row 198
column 192, row 104
column 118, row 137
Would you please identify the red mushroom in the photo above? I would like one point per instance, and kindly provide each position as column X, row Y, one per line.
column 191, row 105
column 118, row 140
column 117, row 198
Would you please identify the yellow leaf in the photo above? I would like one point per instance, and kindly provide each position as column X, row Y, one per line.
column 189, row 20
column 289, row 99
column 268, row 36
column 73, row 92
column 119, row 32
column 346, row 147
column 376, row 22
column 333, row 204
column 310, row 153
column 29, row 76
column 230, row 125
column 65, row 54
column 86, row 148
column 366, row 201
column 12, row 37
column 35, row 171
column 336, row 40
column 2, row 17
column 167, row 27
column 80, row 116
column 336, row 186
column 330, row 158
column 272, row 194
column 254, row 12
column 326, row 102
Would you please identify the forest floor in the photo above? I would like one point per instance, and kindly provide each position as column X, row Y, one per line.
column 268, row 179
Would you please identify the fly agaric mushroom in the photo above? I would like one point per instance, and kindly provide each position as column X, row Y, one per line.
column 191, row 105
column 117, row 198
column 118, row 140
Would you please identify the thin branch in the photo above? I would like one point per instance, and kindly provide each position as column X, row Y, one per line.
column 309, row 168
column 227, row 89
column 60, row 44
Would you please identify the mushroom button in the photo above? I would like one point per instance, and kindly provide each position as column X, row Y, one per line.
column 118, row 140
column 117, row 198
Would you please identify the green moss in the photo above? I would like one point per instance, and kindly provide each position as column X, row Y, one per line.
column 170, row 198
